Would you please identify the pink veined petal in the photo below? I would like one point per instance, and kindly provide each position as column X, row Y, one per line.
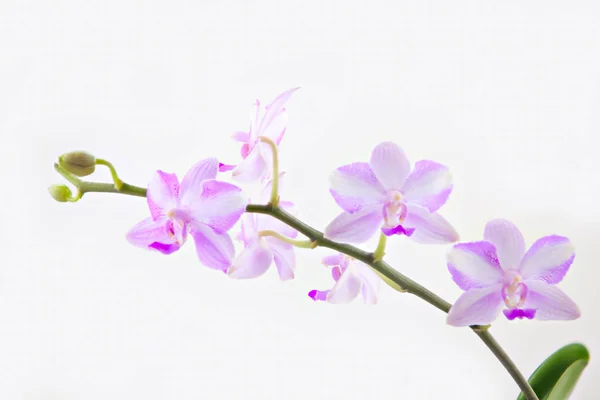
column 371, row 283
column 333, row 260
column 347, row 288
column 548, row 259
column 390, row 165
column 474, row 265
column 249, row 231
column 191, row 184
column 508, row 240
column 550, row 302
column 478, row 306
column 355, row 228
column 220, row 205
column 163, row 193
column 251, row 168
column 241, row 136
column 226, row 167
column 252, row 262
column 429, row 185
column 274, row 121
column 430, row 227
column 284, row 257
column 149, row 231
column 355, row 186
column 214, row 250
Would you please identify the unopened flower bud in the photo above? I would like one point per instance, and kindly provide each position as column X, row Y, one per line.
column 79, row 163
column 60, row 193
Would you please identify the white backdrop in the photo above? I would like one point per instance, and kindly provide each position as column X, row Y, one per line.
column 506, row 93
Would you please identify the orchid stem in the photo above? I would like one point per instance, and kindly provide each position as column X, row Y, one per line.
column 380, row 250
column 305, row 244
column 316, row 238
column 274, row 200
column 400, row 281
column 88, row 187
column 117, row 181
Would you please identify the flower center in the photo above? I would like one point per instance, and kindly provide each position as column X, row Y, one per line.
column 514, row 291
column 177, row 227
column 394, row 210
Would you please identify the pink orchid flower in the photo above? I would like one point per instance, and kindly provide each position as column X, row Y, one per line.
column 498, row 273
column 200, row 205
column 385, row 194
column 260, row 251
column 351, row 278
column 257, row 156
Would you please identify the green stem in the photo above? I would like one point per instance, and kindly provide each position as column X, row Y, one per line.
column 274, row 200
column 380, row 250
column 316, row 238
column 305, row 244
column 117, row 181
column 88, row 187
column 404, row 282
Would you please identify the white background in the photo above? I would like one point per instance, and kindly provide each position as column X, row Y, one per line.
column 506, row 93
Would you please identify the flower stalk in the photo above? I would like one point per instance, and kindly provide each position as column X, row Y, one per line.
column 391, row 276
column 274, row 200
column 304, row 244
column 380, row 250
column 113, row 172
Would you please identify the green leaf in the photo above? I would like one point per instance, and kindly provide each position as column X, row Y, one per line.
column 556, row 377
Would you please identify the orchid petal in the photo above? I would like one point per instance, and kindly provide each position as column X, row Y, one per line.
column 371, row 283
column 274, row 121
column 214, row 250
column 191, row 184
column 478, row 306
column 550, row 302
column 251, row 168
column 284, row 257
column 548, row 259
column 249, row 231
column 162, row 194
column 149, row 231
column 508, row 240
column 429, row 185
column 430, row 227
column 347, row 288
column 354, row 186
column 241, row 136
column 390, row 165
column 474, row 265
column 220, row 205
column 355, row 228
column 252, row 262
column 334, row 260
column 226, row 167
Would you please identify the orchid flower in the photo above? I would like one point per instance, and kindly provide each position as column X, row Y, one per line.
column 498, row 273
column 385, row 194
column 261, row 250
column 351, row 278
column 201, row 206
column 257, row 156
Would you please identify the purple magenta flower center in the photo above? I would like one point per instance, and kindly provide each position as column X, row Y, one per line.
column 178, row 224
column 394, row 210
column 514, row 291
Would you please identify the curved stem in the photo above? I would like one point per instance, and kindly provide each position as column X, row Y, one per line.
column 274, row 200
column 316, row 238
column 380, row 250
column 87, row 187
column 305, row 244
column 113, row 172
column 404, row 282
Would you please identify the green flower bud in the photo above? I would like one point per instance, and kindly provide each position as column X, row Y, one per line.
column 60, row 193
column 78, row 163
